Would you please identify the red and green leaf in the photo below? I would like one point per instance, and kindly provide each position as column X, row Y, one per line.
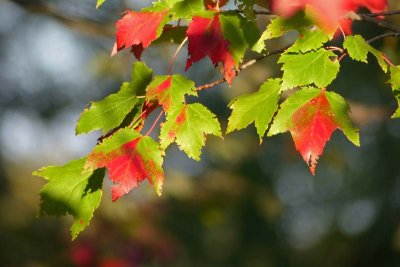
column 170, row 90
column 206, row 39
column 188, row 125
column 328, row 14
column 222, row 39
column 130, row 159
column 311, row 116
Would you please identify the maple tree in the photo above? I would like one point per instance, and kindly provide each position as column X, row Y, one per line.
column 301, row 101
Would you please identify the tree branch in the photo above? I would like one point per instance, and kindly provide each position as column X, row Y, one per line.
column 388, row 34
column 244, row 66
column 381, row 23
column 84, row 26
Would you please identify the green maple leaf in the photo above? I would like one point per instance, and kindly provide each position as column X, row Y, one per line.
column 188, row 125
column 258, row 107
column 71, row 190
column 170, row 90
column 358, row 49
column 279, row 26
column 395, row 84
column 338, row 106
column 308, row 40
column 318, row 67
column 111, row 111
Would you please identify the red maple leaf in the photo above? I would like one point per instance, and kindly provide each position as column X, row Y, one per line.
column 312, row 125
column 328, row 14
column 128, row 168
column 206, row 39
column 138, row 30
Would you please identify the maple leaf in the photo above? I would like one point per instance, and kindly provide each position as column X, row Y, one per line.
column 130, row 158
column 311, row 116
column 222, row 38
column 258, row 107
column 139, row 29
column 187, row 124
column 71, row 190
column 111, row 111
column 319, row 67
column 170, row 90
column 328, row 14
column 309, row 40
column 206, row 39
column 358, row 49
column 395, row 84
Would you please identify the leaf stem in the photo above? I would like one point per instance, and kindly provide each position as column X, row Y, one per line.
column 154, row 123
column 175, row 55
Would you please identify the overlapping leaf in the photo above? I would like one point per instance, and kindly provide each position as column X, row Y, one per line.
column 280, row 26
column 111, row 111
column 222, row 38
column 311, row 116
column 309, row 40
column 71, row 190
column 358, row 49
column 258, row 107
column 169, row 90
column 318, row 67
column 187, row 125
column 130, row 158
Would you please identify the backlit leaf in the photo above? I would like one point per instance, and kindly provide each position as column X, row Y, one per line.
column 318, row 67
column 358, row 49
column 308, row 40
column 221, row 38
column 137, row 30
column 258, row 107
column 170, row 90
column 130, row 158
column 71, row 190
column 188, row 125
column 111, row 111
column 311, row 116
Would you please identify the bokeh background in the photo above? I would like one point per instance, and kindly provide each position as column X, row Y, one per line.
column 244, row 204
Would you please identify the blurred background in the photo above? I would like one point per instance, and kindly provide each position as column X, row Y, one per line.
column 244, row 204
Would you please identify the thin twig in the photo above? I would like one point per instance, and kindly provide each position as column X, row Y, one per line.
column 154, row 123
column 381, row 23
column 175, row 55
column 244, row 66
column 384, row 13
column 388, row 34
